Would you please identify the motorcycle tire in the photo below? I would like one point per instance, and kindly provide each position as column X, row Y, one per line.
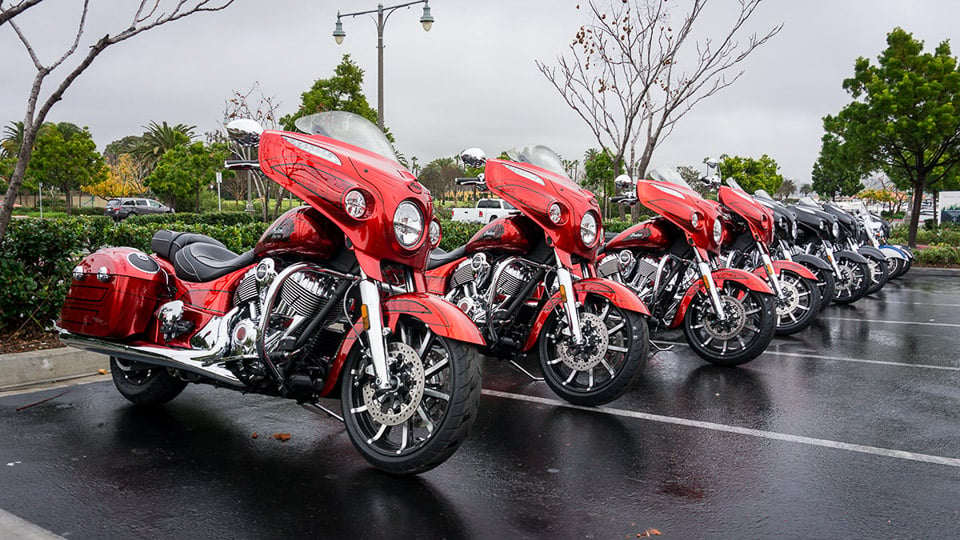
column 853, row 282
column 744, row 335
column 879, row 274
column 895, row 264
column 144, row 384
column 827, row 284
column 800, row 304
column 615, row 353
column 427, row 414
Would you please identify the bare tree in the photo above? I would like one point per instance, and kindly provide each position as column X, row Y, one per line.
column 623, row 73
column 148, row 15
column 7, row 13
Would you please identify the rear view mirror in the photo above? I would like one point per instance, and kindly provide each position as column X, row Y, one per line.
column 473, row 157
column 245, row 131
column 624, row 185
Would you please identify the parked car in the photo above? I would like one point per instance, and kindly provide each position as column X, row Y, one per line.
column 121, row 207
column 486, row 211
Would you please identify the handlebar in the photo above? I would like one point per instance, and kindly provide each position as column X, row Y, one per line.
column 241, row 165
column 469, row 181
column 624, row 199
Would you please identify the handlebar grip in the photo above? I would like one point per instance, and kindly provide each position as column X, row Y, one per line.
column 469, row 181
column 241, row 164
column 623, row 199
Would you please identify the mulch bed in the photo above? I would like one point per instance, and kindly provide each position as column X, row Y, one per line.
column 28, row 341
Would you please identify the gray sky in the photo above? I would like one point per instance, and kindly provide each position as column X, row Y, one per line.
column 470, row 81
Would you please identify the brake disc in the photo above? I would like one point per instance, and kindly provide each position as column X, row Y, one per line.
column 594, row 349
column 396, row 405
column 734, row 323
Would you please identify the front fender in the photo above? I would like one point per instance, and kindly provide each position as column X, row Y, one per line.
column 812, row 260
column 892, row 252
column 619, row 294
column 751, row 281
column 853, row 255
column 872, row 252
column 442, row 317
column 781, row 265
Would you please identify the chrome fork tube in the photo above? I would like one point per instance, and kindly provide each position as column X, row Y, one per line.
column 711, row 286
column 828, row 249
column 771, row 273
column 569, row 301
column 373, row 322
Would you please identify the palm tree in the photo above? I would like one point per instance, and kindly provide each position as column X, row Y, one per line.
column 158, row 138
column 12, row 139
column 787, row 188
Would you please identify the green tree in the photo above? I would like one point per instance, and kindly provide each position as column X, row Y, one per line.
column 160, row 138
column 341, row 92
column 598, row 174
column 905, row 117
column 787, row 188
column 439, row 175
column 752, row 174
column 836, row 169
column 184, row 171
column 65, row 156
column 119, row 147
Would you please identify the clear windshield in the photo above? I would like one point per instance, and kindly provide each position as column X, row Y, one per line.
column 762, row 195
column 538, row 155
column 668, row 175
column 809, row 203
column 733, row 183
column 349, row 128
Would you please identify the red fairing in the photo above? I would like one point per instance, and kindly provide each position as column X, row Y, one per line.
column 533, row 190
column 678, row 204
column 511, row 234
column 323, row 184
column 651, row 234
column 616, row 292
column 781, row 265
column 300, row 231
column 719, row 277
column 757, row 216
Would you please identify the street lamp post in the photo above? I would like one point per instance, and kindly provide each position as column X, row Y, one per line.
column 383, row 13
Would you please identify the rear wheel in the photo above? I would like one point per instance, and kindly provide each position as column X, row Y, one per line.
column 425, row 414
column 853, row 281
column 748, row 327
column 609, row 360
column 144, row 384
column 798, row 305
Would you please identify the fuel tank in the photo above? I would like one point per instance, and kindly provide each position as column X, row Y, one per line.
column 511, row 234
column 653, row 234
column 302, row 231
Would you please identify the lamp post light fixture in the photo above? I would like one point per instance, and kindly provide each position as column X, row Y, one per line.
column 383, row 13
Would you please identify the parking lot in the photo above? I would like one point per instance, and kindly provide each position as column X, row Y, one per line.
column 849, row 429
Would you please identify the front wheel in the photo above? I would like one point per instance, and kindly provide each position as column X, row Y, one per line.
column 144, row 384
column 853, row 281
column 748, row 327
column 602, row 368
column 879, row 274
column 799, row 304
column 425, row 414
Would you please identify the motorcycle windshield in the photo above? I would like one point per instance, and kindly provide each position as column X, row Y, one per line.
column 809, row 203
column 349, row 128
column 542, row 157
column 669, row 175
column 733, row 183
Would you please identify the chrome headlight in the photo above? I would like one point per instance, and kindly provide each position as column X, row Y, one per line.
column 355, row 204
column 823, row 225
column 408, row 224
column 695, row 220
column 555, row 213
column 835, row 231
column 717, row 230
column 588, row 229
column 436, row 233
column 793, row 230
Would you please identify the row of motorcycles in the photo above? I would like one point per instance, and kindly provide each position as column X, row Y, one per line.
column 349, row 295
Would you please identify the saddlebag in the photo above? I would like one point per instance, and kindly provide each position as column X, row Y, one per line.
column 113, row 294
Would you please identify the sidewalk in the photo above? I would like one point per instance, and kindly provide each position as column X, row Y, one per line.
column 49, row 365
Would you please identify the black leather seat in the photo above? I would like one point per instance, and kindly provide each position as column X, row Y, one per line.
column 439, row 257
column 166, row 243
column 202, row 261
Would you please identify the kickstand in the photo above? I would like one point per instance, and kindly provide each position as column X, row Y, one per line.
column 520, row 368
column 318, row 408
column 658, row 348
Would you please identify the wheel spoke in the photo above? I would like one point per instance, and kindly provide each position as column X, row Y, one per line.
column 436, row 394
column 360, row 409
column 435, row 367
column 426, row 418
column 573, row 375
column 615, row 329
column 405, row 432
column 380, row 432
column 427, row 339
column 610, row 369
column 742, row 344
column 616, row 348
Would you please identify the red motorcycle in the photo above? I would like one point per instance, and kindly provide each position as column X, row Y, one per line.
column 748, row 233
column 332, row 298
column 727, row 315
column 529, row 280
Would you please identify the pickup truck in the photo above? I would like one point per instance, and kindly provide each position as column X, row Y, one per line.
column 486, row 211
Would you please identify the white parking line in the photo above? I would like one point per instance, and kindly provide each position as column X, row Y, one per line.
column 12, row 526
column 839, row 358
column 825, row 443
column 950, row 325
column 924, row 303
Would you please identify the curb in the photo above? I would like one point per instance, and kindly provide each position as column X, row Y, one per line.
column 933, row 271
column 48, row 365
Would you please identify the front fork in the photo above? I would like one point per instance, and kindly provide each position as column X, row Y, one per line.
column 711, row 286
column 771, row 273
column 828, row 250
column 372, row 317
column 569, row 301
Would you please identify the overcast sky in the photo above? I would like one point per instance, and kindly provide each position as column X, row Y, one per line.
column 470, row 81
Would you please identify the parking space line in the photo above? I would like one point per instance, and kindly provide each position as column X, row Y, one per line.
column 951, row 325
column 885, row 301
column 772, row 435
column 12, row 526
column 839, row 358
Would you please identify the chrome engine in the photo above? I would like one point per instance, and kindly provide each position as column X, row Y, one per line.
column 479, row 288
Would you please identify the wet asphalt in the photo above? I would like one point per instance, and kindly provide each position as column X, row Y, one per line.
column 849, row 429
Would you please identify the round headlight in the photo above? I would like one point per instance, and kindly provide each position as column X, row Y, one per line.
column 717, row 231
column 835, row 230
column 695, row 220
column 555, row 213
column 782, row 223
column 823, row 225
column 588, row 229
column 793, row 229
column 355, row 204
column 436, row 233
column 408, row 224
